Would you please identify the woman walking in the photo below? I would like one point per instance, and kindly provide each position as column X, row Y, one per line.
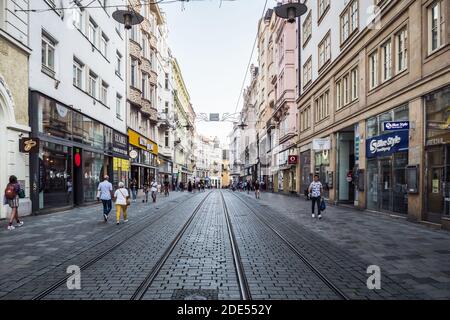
column 12, row 192
column 122, row 202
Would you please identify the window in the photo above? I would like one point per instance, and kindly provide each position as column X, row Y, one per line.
column 305, row 117
column 145, row 47
column 323, row 7
column 133, row 74
column 144, row 90
column 401, row 50
column 78, row 68
column 436, row 26
column 373, row 69
column 307, row 72
column 346, row 90
column 324, row 51
column 104, row 93
column 166, row 107
column 386, row 61
column 322, row 109
column 118, row 106
column 166, row 139
column 349, row 20
column 354, row 84
column 307, row 28
column 104, row 45
column 77, row 18
column 92, row 87
column 92, row 32
column 48, row 53
column 166, row 83
column 339, row 99
column 134, row 33
column 118, row 63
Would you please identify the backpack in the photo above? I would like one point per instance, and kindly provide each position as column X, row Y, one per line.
column 10, row 192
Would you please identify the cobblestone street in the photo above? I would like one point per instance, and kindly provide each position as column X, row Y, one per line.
column 223, row 245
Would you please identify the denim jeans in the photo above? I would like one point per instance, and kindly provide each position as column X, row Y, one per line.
column 107, row 206
column 134, row 194
column 315, row 200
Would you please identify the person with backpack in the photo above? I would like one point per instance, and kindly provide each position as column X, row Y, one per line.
column 122, row 200
column 13, row 192
column 315, row 191
column 154, row 189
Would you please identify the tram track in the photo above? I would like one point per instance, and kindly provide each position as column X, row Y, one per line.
column 339, row 293
column 147, row 222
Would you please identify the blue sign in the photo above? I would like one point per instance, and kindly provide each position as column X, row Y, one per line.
column 396, row 125
column 387, row 144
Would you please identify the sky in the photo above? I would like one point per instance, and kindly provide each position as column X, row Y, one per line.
column 213, row 47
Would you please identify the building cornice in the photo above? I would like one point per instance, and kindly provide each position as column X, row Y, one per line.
column 27, row 50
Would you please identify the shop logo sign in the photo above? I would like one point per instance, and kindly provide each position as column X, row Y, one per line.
column 387, row 144
column 396, row 125
column 29, row 145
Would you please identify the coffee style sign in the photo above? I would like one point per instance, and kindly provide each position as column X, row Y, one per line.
column 387, row 144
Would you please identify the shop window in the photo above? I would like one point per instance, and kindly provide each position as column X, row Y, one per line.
column 88, row 131
column 77, row 125
column 92, row 171
column 98, row 135
column 54, row 119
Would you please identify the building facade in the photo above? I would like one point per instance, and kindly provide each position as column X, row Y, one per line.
column 142, row 104
column 77, row 104
column 14, row 119
column 373, row 105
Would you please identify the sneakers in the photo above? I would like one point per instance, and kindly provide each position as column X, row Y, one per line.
column 313, row 215
column 19, row 224
column 11, row 227
column 105, row 216
column 125, row 221
column 117, row 223
column 320, row 216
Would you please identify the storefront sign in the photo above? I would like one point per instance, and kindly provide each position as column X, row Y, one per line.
column 133, row 154
column 321, row 144
column 120, row 144
column 292, row 159
column 29, row 145
column 396, row 125
column 387, row 144
column 135, row 139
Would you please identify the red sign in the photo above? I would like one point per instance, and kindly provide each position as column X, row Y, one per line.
column 77, row 159
column 292, row 159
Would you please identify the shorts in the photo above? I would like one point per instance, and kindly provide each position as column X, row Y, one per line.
column 13, row 203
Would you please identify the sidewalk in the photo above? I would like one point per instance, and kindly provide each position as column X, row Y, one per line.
column 413, row 253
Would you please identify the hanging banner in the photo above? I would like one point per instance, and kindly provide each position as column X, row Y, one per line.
column 387, row 144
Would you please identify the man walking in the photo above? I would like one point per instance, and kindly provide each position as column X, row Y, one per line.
column 257, row 186
column 154, row 189
column 315, row 190
column 105, row 190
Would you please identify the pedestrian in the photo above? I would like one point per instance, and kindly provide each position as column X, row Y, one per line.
column 166, row 188
column 154, row 189
column 182, row 186
column 146, row 191
column 249, row 186
column 315, row 191
column 134, row 189
column 13, row 192
column 122, row 200
column 256, row 186
column 69, row 187
column 190, row 186
column 104, row 193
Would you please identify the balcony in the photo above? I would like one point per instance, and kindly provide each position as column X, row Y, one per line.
column 149, row 109
column 135, row 50
column 287, row 134
column 166, row 152
column 134, row 96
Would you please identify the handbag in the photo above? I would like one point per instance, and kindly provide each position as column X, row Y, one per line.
column 323, row 206
column 127, row 199
column 21, row 193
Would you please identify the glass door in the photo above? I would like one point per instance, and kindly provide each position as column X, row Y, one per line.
column 385, row 185
column 436, row 186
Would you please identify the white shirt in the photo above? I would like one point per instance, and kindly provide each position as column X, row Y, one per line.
column 105, row 189
column 121, row 196
column 315, row 188
column 154, row 186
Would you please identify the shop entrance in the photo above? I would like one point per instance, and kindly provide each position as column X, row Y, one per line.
column 387, row 184
column 346, row 166
column 438, row 183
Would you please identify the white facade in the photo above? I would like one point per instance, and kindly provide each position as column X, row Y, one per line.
column 330, row 22
column 79, row 38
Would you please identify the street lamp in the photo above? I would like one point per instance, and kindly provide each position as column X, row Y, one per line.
column 127, row 17
column 291, row 11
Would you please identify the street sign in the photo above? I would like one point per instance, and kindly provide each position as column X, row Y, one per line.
column 321, row 144
column 133, row 154
column 214, row 117
column 395, row 125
